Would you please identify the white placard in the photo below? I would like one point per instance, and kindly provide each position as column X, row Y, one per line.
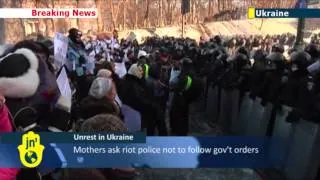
column 120, row 69
column 60, row 49
column 63, row 84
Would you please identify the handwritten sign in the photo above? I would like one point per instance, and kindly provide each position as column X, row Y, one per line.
column 60, row 49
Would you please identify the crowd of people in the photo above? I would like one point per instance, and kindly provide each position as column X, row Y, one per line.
column 158, row 76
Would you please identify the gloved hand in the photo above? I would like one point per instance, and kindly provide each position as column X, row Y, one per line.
column 25, row 119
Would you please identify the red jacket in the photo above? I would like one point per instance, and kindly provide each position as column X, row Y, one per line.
column 5, row 122
column 5, row 126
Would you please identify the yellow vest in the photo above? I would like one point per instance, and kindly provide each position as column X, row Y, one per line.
column 189, row 83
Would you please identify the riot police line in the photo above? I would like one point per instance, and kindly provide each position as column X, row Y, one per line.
column 275, row 96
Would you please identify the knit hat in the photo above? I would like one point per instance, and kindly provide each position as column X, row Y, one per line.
column 100, row 87
column 104, row 73
column 18, row 74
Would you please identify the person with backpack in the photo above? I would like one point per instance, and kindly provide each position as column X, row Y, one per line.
column 187, row 89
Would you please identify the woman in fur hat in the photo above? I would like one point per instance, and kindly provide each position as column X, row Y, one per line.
column 136, row 95
column 101, row 99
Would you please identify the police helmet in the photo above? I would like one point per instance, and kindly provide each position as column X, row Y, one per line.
column 301, row 59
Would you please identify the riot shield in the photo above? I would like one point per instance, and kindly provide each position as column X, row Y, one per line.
column 303, row 155
column 212, row 104
column 235, row 123
column 225, row 106
column 244, row 115
column 282, row 130
column 259, row 118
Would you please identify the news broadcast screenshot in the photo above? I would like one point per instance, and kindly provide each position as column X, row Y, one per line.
column 159, row 89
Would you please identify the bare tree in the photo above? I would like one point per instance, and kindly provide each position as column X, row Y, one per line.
column 209, row 8
column 114, row 13
column 135, row 14
column 2, row 26
column 124, row 2
column 78, row 20
column 52, row 20
column 100, row 22
column 146, row 13
column 146, row 16
column 21, row 20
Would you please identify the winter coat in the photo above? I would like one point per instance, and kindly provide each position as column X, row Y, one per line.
column 295, row 90
column 5, row 122
column 273, row 83
column 135, row 94
column 77, row 59
column 160, row 72
column 8, row 173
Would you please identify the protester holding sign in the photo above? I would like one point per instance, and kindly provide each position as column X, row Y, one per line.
column 78, row 63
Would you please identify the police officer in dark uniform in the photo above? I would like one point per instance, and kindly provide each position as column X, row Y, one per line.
column 276, row 74
column 297, row 91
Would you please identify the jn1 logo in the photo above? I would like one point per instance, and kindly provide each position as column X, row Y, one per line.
column 31, row 150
